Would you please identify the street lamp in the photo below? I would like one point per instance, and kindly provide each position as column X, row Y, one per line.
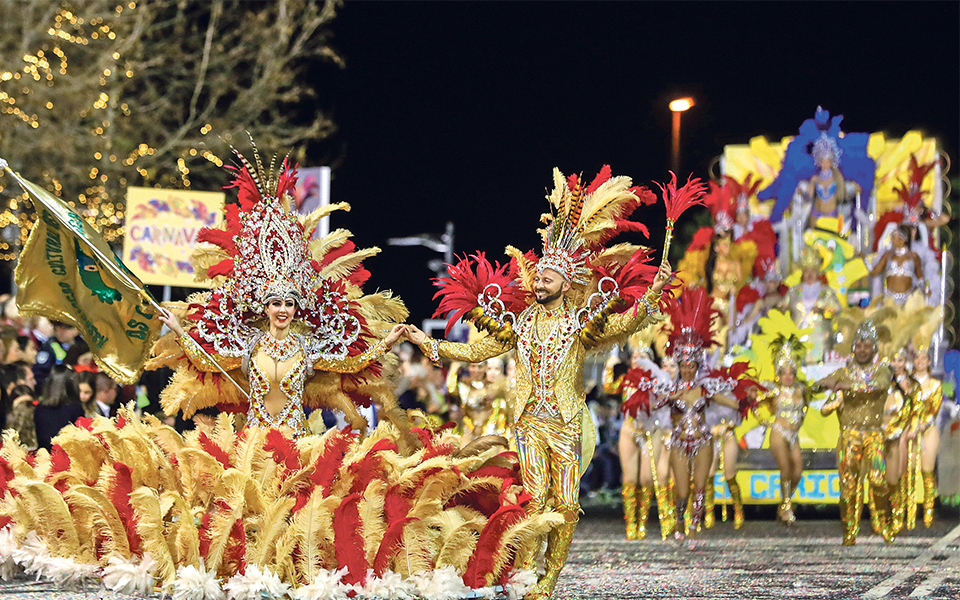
column 676, row 107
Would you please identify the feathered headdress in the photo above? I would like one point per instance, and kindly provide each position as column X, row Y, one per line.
column 910, row 193
column 825, row 146
column 263, row 250
column 779, row 343
column 584, row 217
column 724, row 201
column 692, row 319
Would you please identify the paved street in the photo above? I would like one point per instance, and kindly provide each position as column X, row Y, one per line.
column 762, row 560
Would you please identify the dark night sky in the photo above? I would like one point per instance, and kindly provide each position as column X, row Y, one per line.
column 459, row 110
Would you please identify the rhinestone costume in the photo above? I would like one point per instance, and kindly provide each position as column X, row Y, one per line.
column 292, row 381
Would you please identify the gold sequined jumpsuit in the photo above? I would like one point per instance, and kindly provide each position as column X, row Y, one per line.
column 554, row 432
column 860, row 452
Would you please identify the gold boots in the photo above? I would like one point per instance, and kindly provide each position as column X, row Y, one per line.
column 665, row 510
column 629, row 492
column 896, row 506
column 709, row 516
column 785, row 511
column 874, row 515
column 929, row 493
column 558, row 546
column 737, row 502
column 644, row 498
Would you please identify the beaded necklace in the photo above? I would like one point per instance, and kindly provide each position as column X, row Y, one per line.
column 280, row 350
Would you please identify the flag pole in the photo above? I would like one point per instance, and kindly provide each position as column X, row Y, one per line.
column 118, row 272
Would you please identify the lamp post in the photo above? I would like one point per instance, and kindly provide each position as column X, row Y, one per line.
column 676, row 107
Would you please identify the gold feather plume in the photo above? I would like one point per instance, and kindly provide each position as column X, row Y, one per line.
column 183, row 536
column 927, row 328
column 459, row 539
column 266, row 528
column 523, row 539
column 150, row 527
column 372, row 523
column 233, row 484
column 311, row 530
column 311, row 220
column 526, row 269
column 105, row 514
column 331, row 241
column 52, row 519
column 342, row 266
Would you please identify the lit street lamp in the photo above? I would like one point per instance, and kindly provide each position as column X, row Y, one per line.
column 676, row 107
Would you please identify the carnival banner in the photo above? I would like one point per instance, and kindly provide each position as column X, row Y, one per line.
column 68, row 272
column 161, row 232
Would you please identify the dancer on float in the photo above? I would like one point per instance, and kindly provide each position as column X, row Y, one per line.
column 917, row 223
column 827, row 188
column 813, row 305
column 860, row 394
column 692, row 320
column 899, row 268
column 551, row 335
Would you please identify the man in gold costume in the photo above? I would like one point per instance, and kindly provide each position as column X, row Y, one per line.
column 554, row 432
column 861, row 390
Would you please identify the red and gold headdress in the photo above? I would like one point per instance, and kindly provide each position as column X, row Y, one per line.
column 911, row 194
column 586, row 217
column 724, row 201
column 692, row 322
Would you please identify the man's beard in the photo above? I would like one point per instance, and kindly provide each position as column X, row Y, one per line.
column 550, row 298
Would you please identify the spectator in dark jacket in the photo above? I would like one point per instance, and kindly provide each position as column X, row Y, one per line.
column 54, row 350
column 59, row 405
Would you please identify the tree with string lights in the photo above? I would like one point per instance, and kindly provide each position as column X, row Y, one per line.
column 99, row 95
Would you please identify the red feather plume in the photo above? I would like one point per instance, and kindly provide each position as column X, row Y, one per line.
column 633, row 277
column 693, row 310
column 391, row 542
column 284, row 450
column 214, row 450
column 347, row 540
column 745, row 297
column 119, row 495
column 677, row 201
column 479, row 572
column 329, row 460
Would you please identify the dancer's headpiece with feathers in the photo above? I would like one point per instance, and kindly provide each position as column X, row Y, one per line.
column 585, row 217
column 692, row 319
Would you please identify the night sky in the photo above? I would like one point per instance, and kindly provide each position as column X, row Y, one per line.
column 459, row 111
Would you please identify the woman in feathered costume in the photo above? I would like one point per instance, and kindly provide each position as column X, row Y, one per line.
column 644, row 461
column 286, row 311
column 916, row 257
column 923, row 420
column 692, row 321
column 779, row 343
column 719, row 260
